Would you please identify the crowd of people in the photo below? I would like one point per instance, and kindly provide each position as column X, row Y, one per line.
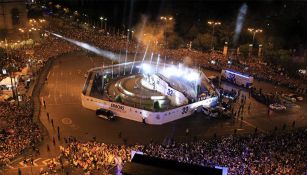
column 258, row 153
column 95, row 156
column 120, row 44
column 52, row 46
column 240, row 154
column 17, row 130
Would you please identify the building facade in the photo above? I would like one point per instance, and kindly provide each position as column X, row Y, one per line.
column 13, row 14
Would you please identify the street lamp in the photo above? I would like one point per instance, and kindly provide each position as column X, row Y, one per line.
column 105, row 23
column 166, row 19
column 58, row 6
column 128, row 34
column 213, row 24
column 101, row 21
column 254, row 31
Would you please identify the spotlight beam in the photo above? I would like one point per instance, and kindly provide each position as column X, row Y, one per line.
column 144, row 56
column 88, row 47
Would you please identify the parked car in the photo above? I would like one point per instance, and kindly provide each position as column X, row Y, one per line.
column 297, row 97
column 277, row 107
column 289, row 97
column 105, row 114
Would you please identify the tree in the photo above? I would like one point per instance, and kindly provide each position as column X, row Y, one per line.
column 3, row 33
column 192, row 32
column 203, row 41
column 244, row 49
column 174, row 41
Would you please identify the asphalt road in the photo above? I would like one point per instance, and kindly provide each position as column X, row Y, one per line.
column 62, row 96
column 62, row 91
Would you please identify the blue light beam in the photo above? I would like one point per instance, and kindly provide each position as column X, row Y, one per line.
column 88, row 47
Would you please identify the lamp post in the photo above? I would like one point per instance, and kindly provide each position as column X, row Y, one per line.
column 260, row 50
column 101, row 21
column 105, row 24
column 213, row 24
column 166, row 19
column 253, row 31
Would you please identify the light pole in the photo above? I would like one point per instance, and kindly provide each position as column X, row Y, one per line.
column 128, row 34
column 253, row 31
column 105, row 24
column 213, row 24
column 101, row 21
column 166, row 19
column 132, row 33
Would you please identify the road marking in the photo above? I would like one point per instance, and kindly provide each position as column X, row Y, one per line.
column 22, row 164
column 45, row 162
column 48, row 75
column 35, row 164
column 9, row 166
column 16, row 160
column 67, row 121
column 253, row 126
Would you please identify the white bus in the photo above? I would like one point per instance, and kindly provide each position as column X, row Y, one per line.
column 237, row 78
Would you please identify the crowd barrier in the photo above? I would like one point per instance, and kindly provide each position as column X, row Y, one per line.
column 140, row 115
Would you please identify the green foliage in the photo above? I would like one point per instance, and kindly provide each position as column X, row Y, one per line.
column 244, row 49
column 3, row 33
column 282, row 58
column 118, row 99
column 174, row 41
column 203, row 41
column 192, row 33
column 277, row 57
column 156, row 105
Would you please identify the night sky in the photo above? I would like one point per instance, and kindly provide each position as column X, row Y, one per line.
column 284, row 19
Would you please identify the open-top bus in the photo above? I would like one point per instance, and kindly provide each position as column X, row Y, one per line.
column 237, row 78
